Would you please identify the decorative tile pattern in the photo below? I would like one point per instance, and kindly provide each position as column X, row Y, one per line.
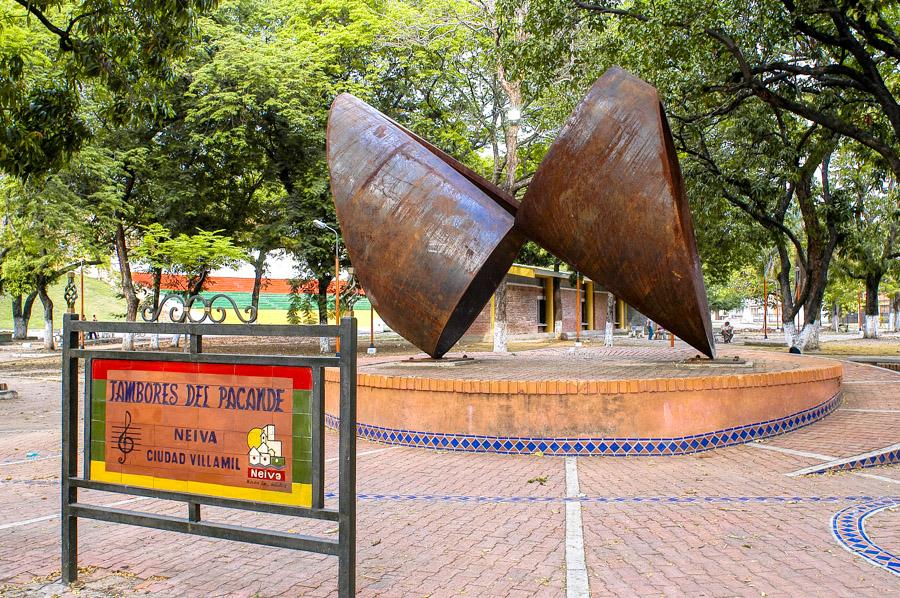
column 848, row 528
column 885, row 458
column 607, row 447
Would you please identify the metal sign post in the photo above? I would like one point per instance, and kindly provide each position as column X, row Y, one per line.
column 138, row 439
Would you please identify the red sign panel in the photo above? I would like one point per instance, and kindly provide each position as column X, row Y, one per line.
column 228, row 430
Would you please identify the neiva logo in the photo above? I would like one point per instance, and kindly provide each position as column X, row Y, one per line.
column 266, row 459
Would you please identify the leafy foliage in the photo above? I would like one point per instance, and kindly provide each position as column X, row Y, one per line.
column 193, row 256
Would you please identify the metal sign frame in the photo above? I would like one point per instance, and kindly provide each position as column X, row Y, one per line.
column 345, row 515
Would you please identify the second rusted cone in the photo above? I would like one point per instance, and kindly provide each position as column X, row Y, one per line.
column 609, row 199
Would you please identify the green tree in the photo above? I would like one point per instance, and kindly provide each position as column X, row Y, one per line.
column 51, row 49
column 191, row 256
column 840, row 295
column 829, row 62
column 45, row 235
column 486, row 82
column 753, row 128
column 872, row 247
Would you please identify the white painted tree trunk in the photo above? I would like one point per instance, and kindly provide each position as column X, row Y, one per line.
column 324, row 344
column 154, row 341
column 48, row 335
column 809, row 337
column 806, row 339
column 500, row 329
column 128, row 341
column 790, row 333
column 895, row 313
column 610, row 316
column 871, row 326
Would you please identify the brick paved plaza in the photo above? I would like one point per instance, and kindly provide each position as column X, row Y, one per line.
column 727, row 522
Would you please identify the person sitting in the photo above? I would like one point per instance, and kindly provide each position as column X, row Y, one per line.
column 727, row 332
column 92, row 335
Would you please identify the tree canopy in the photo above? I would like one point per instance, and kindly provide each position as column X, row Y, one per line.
column 126, row 127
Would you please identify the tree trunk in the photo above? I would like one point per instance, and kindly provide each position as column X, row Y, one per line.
column 157, row 283
column 500, row 335
column 895, row 313
column 127, row 282
column 808, row 337
column 836, row 316
column 259, row 266
column 816, row 279
column 324, row 341
column 513, row 91
column 196, row 287
column 610, row 318
column 873, row 281
column 20, row 327
column 48, row 317
column 22, row 314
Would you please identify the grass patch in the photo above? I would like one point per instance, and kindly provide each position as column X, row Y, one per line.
column 99, row 298
column 861, row 347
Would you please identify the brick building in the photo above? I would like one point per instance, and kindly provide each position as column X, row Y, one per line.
column 530, row 308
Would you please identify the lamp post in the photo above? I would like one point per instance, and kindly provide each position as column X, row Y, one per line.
column 81, row 333
column 356, row 296
column 578, row 309
column 371, row 350
column 337, row 278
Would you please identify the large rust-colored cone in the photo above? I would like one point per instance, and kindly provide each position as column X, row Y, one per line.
column 609, row 199
column 429, row 239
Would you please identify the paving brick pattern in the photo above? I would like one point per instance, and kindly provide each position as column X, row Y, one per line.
column 722, row 523
column 884, row 529
column 590, row 363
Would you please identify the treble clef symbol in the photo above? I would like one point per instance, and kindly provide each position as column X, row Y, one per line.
column 124, row 442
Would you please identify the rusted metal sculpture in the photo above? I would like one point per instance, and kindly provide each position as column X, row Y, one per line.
column 431, row 240
column 609, row 199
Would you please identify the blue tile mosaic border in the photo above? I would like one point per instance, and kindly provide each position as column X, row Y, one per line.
column 607, row 447
column 885, row 458
column 848, row 528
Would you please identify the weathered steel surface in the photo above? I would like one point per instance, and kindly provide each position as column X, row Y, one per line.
column 609, row 199
column 429, row 239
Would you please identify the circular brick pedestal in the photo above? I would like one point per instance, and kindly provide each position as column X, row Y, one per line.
column 628, row 401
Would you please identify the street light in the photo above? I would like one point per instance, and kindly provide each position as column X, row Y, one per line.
column 337, row 278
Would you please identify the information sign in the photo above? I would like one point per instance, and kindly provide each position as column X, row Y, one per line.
column 226, row 430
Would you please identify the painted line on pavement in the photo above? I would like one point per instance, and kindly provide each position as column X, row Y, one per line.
column 577, row 585
column 611, row 500
column 57, row 456
column 869, row 410
column 787, row 451
column 364, row 453
column 56, row 515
